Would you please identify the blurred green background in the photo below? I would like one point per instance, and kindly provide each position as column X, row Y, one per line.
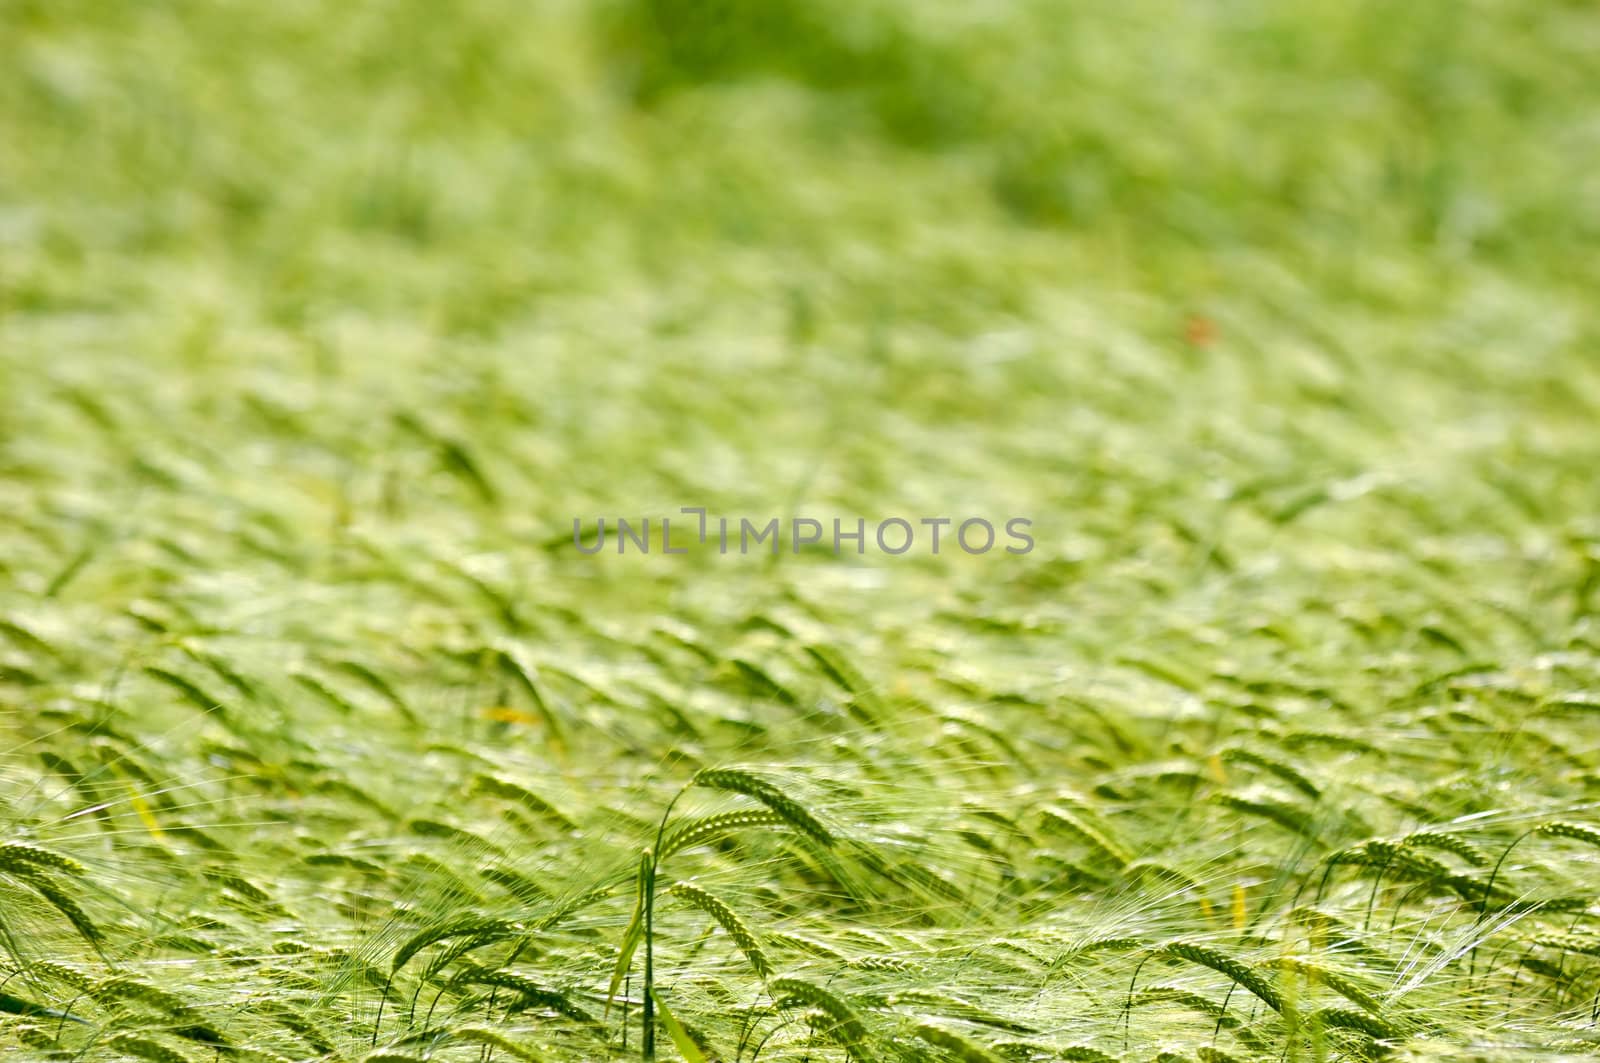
column 320, row 323
column 1164, row 277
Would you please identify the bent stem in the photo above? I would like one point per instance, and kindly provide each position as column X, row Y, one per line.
column 651, row 864
column 1483, row 905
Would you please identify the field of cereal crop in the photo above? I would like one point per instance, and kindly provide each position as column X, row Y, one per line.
column 324, row 736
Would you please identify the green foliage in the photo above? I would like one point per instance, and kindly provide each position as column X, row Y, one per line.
column 318, row 327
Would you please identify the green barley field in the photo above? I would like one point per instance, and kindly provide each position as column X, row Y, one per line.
column 324, row 737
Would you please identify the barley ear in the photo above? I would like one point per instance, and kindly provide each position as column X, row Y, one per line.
column 16, row 856
column 1574, row 831
column 735, row 780
column 1349, row 1019
column 954, row 1044
column 847, row 1030
column 700, row 831
column 70, row 909
column 729, row 921
column 490, row 1039
column 144, row 1048
column 431, row 935
column 1223, row 964
column 1088, row 833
